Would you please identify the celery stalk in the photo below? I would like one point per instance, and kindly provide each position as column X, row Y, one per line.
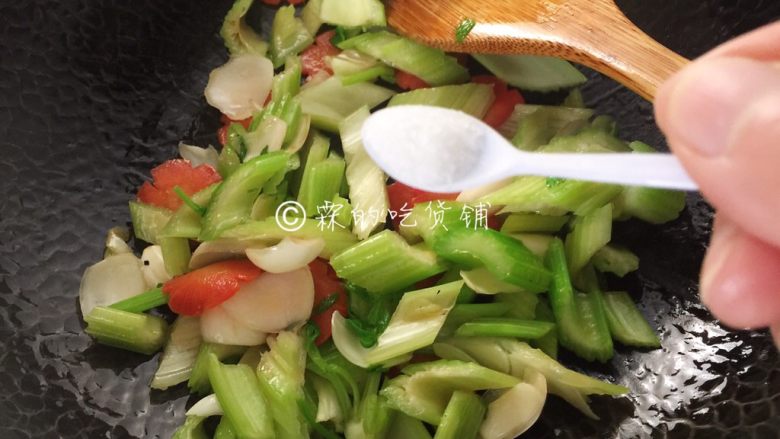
column 199, row 377
column 239, row 394
column 336, row 238
column 626, row 322
column 506, row 258
column 367, row 190
column 280, row 374
column 407, row 427
column 474, row 99
column 232, row 202
column 142, row 302
column 191, row 429
column 385, row 263
column 590, row 234
column 148, row 221
column 587, row 140
column 287, row 82
column 310, row 15
column 238, row 36
column 320, row 184
column 414, row 324
column 424, row 389
column 551, row 196
column 656, row 206
column 519, row 305
column 615, row 259
column 224, row 430
column 431, row 65
column 343, row 210
column 180, row 353
column 537, row 73
column 463, row 313
column 329, row 103
column 525, row 122
column 429, row 220
column 176, row 255
column 549, row 342
column 504, row 327
column 353, row 13
column 539, row 126
column 288, row 35
column 578, row 318
column 314, row 151
column 185, row 223
column 462, row 417
column 140, row 333
column 533, row 222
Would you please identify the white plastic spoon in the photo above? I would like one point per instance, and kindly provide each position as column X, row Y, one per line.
column 442, row 150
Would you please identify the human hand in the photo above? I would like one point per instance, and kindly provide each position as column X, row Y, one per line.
column 721, row 116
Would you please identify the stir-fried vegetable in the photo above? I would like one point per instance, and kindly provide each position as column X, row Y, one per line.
column 317, row 299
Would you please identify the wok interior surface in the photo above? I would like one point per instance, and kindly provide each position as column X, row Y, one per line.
column 94, row 94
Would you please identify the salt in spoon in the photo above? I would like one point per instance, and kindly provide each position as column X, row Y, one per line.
column 442, row 150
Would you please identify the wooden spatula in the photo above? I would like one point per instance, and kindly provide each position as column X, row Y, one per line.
column 590, row 32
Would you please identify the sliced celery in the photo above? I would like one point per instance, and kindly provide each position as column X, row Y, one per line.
column 311, row 16
column 180, row 353
column 140, row 333
column 343, row 210
column 280, row 374
column 232, row 202
column 605, row 123
column 656, row 206
column 414, row 324
column 385, row 263
column 228, row 161
column 532, row 222
column 185, row 223
column 429, row 220
column 330, row 102
column 587, row 140
column 590, row 234
column 578, row 318
column 199, row 376
column 353, row 67
column 538, row 125
column 176, row 255
column 353, row 13
column 288, row 35
column 463, row 313
column 142, row 302
column 314, row 151
column 512, row 356
column 407, row 427
column 519, row 305
column 287, row 82
column 549, row 342
column 626, row 322
column 239, row 394
column 424, row 389
column 462, row 417
column 594, row 326
column 336, row 239
column 551, row 196
column 191, row 429
column 504, row 327
column 367, row 190
column 148, row 221
column 538, row 243
column 506, row 258
column 373, row 416
column 431, row 65
column 238, row 36
column 615, row 259
column 474, row 99
column 224, row 430
column 574, row 99
column 537, row 73
column 320, row 184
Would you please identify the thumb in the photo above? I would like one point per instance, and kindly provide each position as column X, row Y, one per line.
column 721, row 116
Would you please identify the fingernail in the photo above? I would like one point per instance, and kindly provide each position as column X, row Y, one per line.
column 701, row 106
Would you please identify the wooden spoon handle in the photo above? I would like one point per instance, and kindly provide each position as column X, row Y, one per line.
column 614, row 46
